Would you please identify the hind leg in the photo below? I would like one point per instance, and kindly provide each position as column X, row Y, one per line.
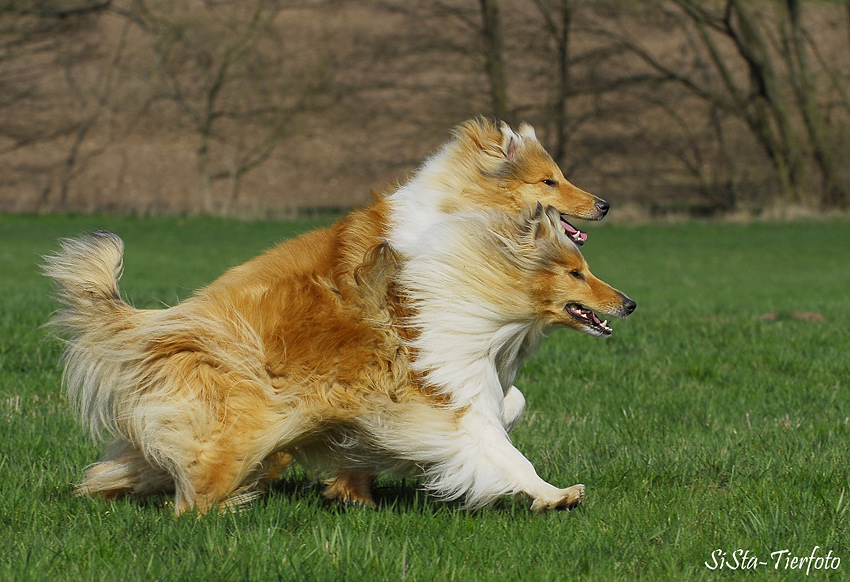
column 237, row 461
column 352, row 488
column 124, row 470
column 272, row 468
column 257, row 483
column 223, row 472
column 207, row 483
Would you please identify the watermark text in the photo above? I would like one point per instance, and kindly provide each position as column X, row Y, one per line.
column 779, row 560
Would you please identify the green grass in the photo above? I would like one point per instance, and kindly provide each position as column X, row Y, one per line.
column 714, row 418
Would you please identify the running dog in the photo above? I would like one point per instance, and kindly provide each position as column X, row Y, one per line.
column 299, row 348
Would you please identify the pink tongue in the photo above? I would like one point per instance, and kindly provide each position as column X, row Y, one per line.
column 575, row 234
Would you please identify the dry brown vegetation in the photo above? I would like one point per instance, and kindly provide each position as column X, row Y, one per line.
column 273, row 107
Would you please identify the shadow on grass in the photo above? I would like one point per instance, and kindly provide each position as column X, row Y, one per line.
column 395, row 495
column 402, row 495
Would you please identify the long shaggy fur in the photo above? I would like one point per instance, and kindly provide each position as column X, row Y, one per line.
column 490, row 287
column 337, row 347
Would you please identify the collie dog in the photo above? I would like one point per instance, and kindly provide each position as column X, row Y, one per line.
column 386, row 342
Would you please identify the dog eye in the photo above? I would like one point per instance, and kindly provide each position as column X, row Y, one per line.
column 549, row 182
column 577, row 275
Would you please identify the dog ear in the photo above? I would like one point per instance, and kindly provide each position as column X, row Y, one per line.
column 538, row 211
column 380, row 265
column 510, row 141
column 545, row 223
column 527, row 131
column 539, row 223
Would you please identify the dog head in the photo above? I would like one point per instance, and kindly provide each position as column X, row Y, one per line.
column 562, row 289
column 514, row 171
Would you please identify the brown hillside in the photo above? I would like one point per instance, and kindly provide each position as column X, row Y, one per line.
column 269, row 109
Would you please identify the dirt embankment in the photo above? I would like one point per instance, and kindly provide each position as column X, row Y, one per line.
column 230, row 109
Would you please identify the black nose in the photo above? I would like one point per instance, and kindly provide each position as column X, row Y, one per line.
column 629, row 305
column 602, row 207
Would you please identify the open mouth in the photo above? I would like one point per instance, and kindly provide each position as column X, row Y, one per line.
column 589, row 319
column 575, row 234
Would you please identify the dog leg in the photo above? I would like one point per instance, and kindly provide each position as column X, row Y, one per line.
column 232, row 465
column 124, row 470
column 502, row 466
column 513, row 406
column 225, row 473
column 273, row 467
column 210, row 483
column 258, row 482
column 351, row 488
column 471, row 456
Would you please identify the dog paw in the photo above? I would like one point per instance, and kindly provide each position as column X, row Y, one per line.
column 352, row 489
column 569, row 498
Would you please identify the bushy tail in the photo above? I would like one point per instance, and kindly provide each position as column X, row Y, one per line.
column 92, row 319
column 86, row 271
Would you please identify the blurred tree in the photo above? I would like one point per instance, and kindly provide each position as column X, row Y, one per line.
column 473, row 29
column 222, row 64
column 699, row 104
column 491, row 36
column 37, row 41
column 761, row 74
column 205, row 55
column 557, row 18
column 795, row 47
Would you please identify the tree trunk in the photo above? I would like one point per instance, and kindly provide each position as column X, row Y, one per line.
column 206, row 177
column 494, row 63
column 833, row 195
column 562, row 44
column 771, row 102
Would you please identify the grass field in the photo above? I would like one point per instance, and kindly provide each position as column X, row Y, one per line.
column 717, row 418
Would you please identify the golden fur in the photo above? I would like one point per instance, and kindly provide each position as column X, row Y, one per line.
column 311, row 348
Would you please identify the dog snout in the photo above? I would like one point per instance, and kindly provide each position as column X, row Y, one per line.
column 629, row 305
column 602, row 207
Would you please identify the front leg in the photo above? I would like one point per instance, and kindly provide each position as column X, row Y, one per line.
column 513, row 406
column 503, row 462
column 568, row 498
column 469, row 455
